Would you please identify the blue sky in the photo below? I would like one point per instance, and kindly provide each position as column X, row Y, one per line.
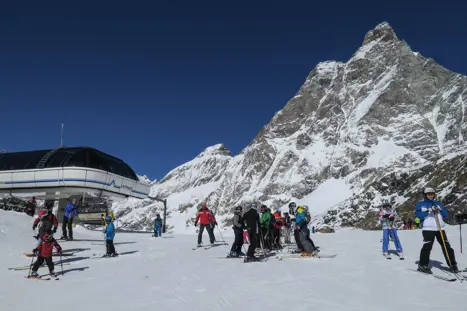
column 156, row 82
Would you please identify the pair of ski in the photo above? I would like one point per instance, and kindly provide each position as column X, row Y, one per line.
column 457, row 276
column 28, row 267
column 42, row 278
column 219, row 243
column 54, row 254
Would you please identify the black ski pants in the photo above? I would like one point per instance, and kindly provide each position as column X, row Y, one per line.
column 110, row 248
column 253, row 243
column 201, row 230
column 428, row 240
column 67, row 222
column 238, row 243
column 296, row 234
column 39, row 262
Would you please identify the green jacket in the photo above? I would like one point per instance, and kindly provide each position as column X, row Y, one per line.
column 266, row 219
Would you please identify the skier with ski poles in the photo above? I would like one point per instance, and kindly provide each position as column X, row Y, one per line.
column 387, row 216
column 253, row 226
column 431, row 213
column 237, row 226
column 44, row 253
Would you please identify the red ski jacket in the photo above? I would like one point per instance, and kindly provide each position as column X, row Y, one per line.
column 46, row 248
column 49, row 218
column 205, row 217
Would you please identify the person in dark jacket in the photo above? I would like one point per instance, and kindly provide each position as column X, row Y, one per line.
column 44, row 252
column 31, row 207
column 253, row 227
column 205, row 219
column 109, row 238
column 46, row 221
column 287, row 227
column 157, row 226
column 71, row 210
column 237, row 227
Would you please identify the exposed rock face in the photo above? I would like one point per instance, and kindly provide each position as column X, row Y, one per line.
column 382, row 122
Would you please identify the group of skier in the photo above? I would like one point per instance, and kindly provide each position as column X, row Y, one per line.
column 430, row 213
column 47, row 225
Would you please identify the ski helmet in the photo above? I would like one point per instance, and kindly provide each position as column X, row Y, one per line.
column 47, row 237
column 429, row 190
column 238, row 208
column 42, row 213
column 253, row 206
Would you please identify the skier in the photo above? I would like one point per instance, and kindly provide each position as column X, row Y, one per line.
column 287, row 227
column 387, row 216
column 71, row 211
column 277, row 227
column 303, row 233
column 157, row 225
column 31, row 207
column 44, row 252
column 205, row 218
column 46, row 221
column 431, row 213
column 237, row 227
column 292, row 208
column 109, row 238
column 266, row 226
column 253, row 227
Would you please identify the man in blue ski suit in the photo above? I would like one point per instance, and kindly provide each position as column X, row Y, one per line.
column 157, row 226
column 71, row 210
column 429, row 211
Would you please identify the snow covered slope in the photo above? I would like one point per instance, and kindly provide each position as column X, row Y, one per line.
column 382, row 125
column 166, row 274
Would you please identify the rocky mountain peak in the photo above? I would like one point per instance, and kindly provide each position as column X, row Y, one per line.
column 218, row 149
column 382, row 32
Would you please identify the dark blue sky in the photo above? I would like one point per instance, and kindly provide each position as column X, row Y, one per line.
column 154, row 84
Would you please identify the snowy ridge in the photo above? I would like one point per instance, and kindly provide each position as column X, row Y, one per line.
column 383, row 125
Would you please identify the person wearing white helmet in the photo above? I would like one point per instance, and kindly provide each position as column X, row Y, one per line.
column 430, row 212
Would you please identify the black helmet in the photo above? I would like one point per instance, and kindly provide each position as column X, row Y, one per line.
column 238, row 208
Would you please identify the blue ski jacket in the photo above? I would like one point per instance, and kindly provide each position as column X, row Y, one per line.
column 110, row 231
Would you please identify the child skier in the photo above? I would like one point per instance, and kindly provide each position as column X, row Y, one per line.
column 431, row 213
column 157, row 226
column 302, row 233
column 109, row 238
column 44, row 252
column 387, row 215
column 237, row 227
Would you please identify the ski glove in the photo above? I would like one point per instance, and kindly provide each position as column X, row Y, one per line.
column 196, row 224
column 35, row 251
column 55, row 230
column 33, row 228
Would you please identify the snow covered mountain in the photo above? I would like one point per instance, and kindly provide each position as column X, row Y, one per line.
column 383, row 125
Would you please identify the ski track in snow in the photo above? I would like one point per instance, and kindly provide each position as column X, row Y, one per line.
column 167, row 274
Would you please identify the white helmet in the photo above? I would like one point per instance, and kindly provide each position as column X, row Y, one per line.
column 429, row 190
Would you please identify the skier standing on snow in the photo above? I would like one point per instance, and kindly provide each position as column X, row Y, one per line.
column 71, row 211
column 303, row 233
column 277, row 227
column 266, row 227
column 287, row 228
column 253, row 227
column 237, row 227
column 31, row 207
column 432, row 212
column 157, row 226
column 109, row 238
column 46, row 221
column 205, row 218
column 44, row 252
column 387, row 216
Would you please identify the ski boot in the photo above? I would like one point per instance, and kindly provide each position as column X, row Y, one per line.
column 424, row 269
column 113, row 255
column 401, row 255
column 251, row 259
column 233, row 255
column 454, row 269
column 386, row 255
column 34, row 274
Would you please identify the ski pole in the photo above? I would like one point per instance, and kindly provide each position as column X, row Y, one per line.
column 460, row 234
column 442, row 238
column 30, row 266
column 221, row 235
column 61, row 261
